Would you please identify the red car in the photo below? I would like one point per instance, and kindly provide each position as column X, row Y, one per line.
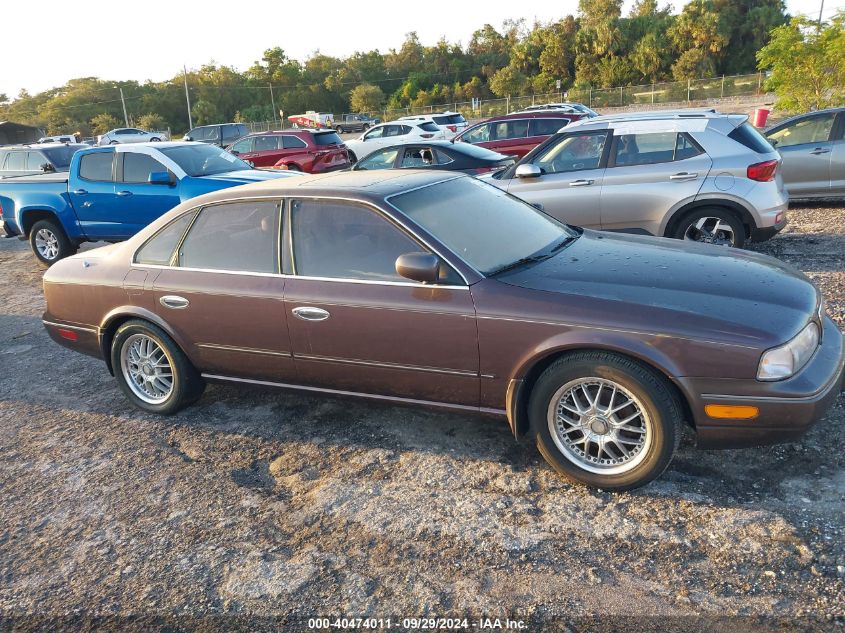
column 312, row 151
column 518, row 133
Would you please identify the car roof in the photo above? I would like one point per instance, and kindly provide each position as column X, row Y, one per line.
column 37, row 146
column 536, row 114
column 804, row 114
column 681, row 118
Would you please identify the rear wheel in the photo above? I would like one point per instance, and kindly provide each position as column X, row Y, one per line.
column 711, row 226
column 49, row 242
column 151, row 370
column 155, row 139
column 293, row 167
column 605, row 420
column 340, row 130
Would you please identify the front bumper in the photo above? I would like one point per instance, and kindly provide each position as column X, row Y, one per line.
column 787, row 408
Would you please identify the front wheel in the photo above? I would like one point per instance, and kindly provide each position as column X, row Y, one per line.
column 151, row 370
column 155, row 139
column 605, row 420
column 711, row 226
column 340, row 130
column 49, row 242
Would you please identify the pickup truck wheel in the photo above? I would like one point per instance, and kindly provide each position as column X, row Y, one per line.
column 605, row 420
column 366, row 126
column 151, row 370
column 340, row 130
column 49, row 242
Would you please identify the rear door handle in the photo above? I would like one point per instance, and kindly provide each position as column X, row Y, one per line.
column 820, row 150
column 123, row 194
column 683, row 176
column 175, row 302
column 80, row 192
column 308, row 313
column 580, row 183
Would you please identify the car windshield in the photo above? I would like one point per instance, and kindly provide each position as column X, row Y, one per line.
column 60, row 156
column 201, row 159
column 486, row 227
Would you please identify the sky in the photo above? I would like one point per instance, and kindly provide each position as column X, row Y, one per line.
column 110, row 39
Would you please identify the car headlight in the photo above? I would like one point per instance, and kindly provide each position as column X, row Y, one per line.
column 785, row 361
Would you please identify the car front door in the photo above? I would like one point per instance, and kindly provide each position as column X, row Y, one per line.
column 221, row 291
column 139, row 201
column 357, row 326
column 648, row 174
column 568, row 188
column 92, row 193
column 243, row 149
column 806, row 148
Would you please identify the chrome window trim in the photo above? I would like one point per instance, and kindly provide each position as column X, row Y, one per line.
column 90, row 330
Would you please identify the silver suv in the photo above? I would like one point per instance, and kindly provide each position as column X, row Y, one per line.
column 689, row 174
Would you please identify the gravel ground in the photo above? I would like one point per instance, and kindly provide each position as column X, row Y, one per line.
column 266, row 504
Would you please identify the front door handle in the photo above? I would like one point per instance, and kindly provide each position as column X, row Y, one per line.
column 580, row 183
column 820, row 150
column 175, row 302
column 123, row 194
column 80, row 192
column 683, row 176
column 308, row 313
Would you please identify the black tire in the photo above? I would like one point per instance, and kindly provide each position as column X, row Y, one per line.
column 352, row 157
column 340, row 130
column 55, row 235
column 155, row 139
column 366, row 127
column 689, row 220
column 656, row 396
column 187, row 384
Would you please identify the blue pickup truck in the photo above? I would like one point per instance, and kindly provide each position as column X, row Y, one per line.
column 111, row 193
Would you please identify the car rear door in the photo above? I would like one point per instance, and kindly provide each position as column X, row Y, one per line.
column 647, row 175
column 510, row 137
column 91, row 189
column 265, row 150
column 806, row 148
column 357, row 326
column 139, row 201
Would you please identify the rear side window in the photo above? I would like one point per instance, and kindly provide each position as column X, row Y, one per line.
column 327, row 138
column 428, row 126
column 138, row 167
column 16, row 161
column 239, row 236
column 504, row 130
column 158, row 250
column 456, row 119
column 441, row 120
column 746, row 135
column 34, row 161
column 545, row 127
column 293, row 142
column 96, row 166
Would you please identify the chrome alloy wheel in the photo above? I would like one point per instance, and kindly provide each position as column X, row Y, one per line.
column 599, row 425
column 711, row 231
column 47, row 244
column 147, row 368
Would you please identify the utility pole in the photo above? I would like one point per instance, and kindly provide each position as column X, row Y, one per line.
column 123, row 101
column 821, row 8
column 272, row 102
column 188, row 99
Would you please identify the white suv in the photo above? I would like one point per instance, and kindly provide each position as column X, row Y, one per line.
column 452, row 123
column 393, row 133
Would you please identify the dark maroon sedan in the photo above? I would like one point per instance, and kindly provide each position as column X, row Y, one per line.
column 437, row 289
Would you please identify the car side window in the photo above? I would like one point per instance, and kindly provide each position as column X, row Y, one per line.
column 138, row 167
column 158, row 250
column 645, row 149
column 686, row 148
column 812, row 129
column 266, row 143
column 96, row 166
column 504, row 130
column 442, row 158
column 34, row 160
column 347, row 241
column 376, row 132
column 293, row 142
column 480, row 134
column 243, row 147
column 572, row 153
column 545, row 127
column 416, row 157
column 16, row 161
column 237, row 236
column 383, row 159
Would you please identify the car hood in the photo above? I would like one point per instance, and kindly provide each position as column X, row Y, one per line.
column 675, row 286
column 248, row 175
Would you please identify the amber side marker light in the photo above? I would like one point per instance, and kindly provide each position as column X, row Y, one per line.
column 731, row 411
column 69, row 335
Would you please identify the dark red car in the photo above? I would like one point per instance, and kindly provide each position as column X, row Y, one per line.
column 311, row 151
column 518, row 133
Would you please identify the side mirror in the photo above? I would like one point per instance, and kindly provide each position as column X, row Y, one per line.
column 47, row 168
column 528, row 171
column 159, row 178
column 422, row 267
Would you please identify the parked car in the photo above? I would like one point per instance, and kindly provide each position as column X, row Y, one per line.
column 386, row 134
column 437, row 289
column 444, row 155
column 516, row 134
column 222, row 134
column 311, row 151
column 65, row 138
column 452, row 123
column 128, row 135
column 812, row 147
column 110, row 193
column 27, row 160
column 577, row 108
column 693, row 175
column 355, row 123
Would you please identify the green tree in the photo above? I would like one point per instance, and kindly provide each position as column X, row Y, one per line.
column 699, row 35
column 151, row 121
column 508, row 81
column 102, row 123
column 366, row 98
column 205, row 113
column 807, row 68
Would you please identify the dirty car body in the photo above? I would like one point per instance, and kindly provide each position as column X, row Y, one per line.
column 437, row 289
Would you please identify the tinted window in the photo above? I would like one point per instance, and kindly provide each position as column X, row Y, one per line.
column 200, row 159
column 503, row 130
column 417, row 157
column 34, row 161
column 96, row 166
column 456, row 118
column 685, row 148
column 266, row 143
column 428, row 126
column 492, row 230
column 337, row 240
column 241, row 236
column 327, row 138
column 16, row 161
column 440, row 120
column 293, row 142
column 572, row 153
column 443, row 158
column 645, row 149
column 243, row 147
column 232, row 132
column 138, row 167
column 480, row 134
column 159, row 248
column 813, row 129
column 378, row 160
column 60, row 156
column 751, row 138
column 546, row 127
